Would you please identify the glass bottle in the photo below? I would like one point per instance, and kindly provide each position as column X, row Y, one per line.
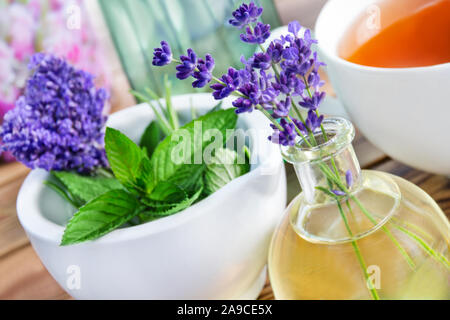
column 381, row 238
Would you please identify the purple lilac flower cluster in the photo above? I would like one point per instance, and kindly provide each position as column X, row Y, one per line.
column 269, row 79
column 58, row 123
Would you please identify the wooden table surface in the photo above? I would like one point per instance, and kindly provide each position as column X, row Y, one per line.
column 22, row 275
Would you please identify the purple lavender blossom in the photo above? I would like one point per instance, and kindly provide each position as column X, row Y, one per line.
column 231, row 81
column 349, row 178
column 317, row 63
column 284, row 39
column 294, row 27
column 291, row 53
column 299, row 66
column 162, row 56
column 251, row 91
column 283, row 83
column 275, row 51
column 259, row 34
column 204, row 73
column 339, row 193
column 245, row 14
column 268, row 92
column 314, row 101
column 282, row 109
column 243, row 105
column 261, row 61
column 314, row 80
column 313, row 122
column 308, row 39
column 187, row 66
column 289, row 84
column 287, row 136
column 300, row 126
column 58, row 123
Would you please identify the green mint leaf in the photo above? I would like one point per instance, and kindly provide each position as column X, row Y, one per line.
column 129, row 163
column 84, row 187
column 188, row 177
column 152, row 136
column 167, row 192
column 63, row 192
column 100, row 216
column 158, row 209
column 165, row 168
column 223, row 169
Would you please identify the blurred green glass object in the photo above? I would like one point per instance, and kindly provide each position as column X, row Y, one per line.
column 137, row 26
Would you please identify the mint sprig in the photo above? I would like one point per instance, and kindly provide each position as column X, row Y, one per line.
column 146, row 188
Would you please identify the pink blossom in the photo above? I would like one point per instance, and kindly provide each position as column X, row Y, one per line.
column 21, row 31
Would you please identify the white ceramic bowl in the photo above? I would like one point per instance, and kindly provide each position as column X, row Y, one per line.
column 216, row 249
column 404, row 112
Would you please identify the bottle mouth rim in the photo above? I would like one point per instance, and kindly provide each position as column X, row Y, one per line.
column 340, row 133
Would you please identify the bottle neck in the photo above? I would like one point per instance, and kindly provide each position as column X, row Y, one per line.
column 330, row 168
column 314, row 176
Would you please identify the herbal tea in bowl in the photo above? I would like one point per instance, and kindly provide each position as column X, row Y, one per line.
column 390, row 66
column 135, row 213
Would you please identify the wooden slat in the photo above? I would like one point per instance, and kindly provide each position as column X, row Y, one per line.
column 24, row 277
column 12, row 171
column 12, row 235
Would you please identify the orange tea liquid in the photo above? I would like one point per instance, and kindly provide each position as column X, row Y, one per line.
column 400, row 34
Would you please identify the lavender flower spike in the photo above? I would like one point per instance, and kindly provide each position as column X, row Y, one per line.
column 203, row 75
column 349, row 178
column 339, row 193
column 187, row 66
column 58, row 123
column 275, row 51
column 243, row 105
column 294, row 28
column 245, row 14
column 282, row 109
column 314, row 102
column 313, row 122
column 162, row 56
column 261, row 61
column 287, row 136
column 231, row 81
column 259, row 34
